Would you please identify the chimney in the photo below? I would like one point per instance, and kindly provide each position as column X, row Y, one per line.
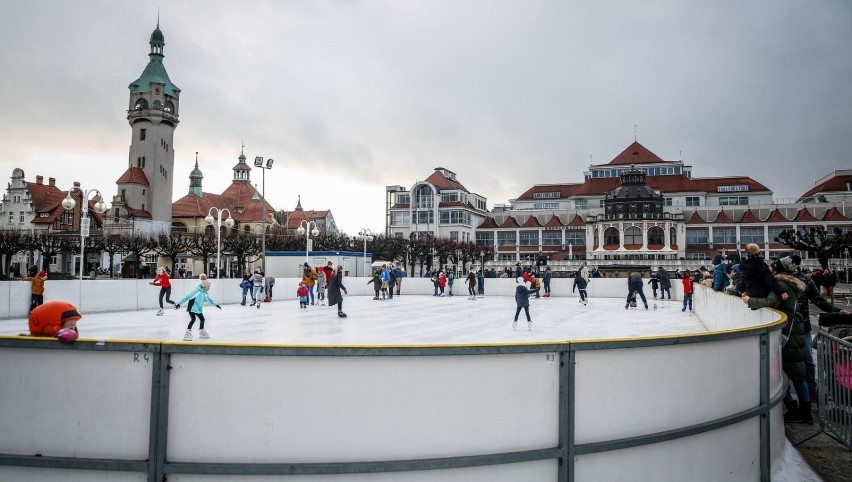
column 52, row 181
column 77, row 185
column 39, row 180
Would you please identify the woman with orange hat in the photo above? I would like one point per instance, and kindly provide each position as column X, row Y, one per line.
column 37, row 297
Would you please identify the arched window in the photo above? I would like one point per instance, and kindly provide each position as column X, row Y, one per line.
column 178, row 227
column 247, row 229
column 632, row 235
column 169, row 107
column 208, row 230
column 141, row 104
column 597, row 238
column 157, row 104
column 656, row 235
column 673, row 236
column 423, row 197
column 611, row 236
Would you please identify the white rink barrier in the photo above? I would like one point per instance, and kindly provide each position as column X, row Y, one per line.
column 97, row 296
column 694, row 407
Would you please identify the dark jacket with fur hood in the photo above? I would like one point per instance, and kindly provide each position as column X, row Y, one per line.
column 793, row 353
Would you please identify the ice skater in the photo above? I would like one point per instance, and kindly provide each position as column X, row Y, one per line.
column 547, row 275
column 655, row 284
column 580, row 284
column 302, row 294
column 56, row 319
column 321, row 286
column 257, row 282
column 377, row 284
column 522, row 300
column 162, row 280
column 665, row 283
column 37, row 289
column 471, row 285
column 197, row 298
column 334, row 289
column 687, row 290
column 635, row 286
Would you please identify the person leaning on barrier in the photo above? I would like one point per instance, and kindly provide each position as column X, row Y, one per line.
column 793, row 340
column 812, row 295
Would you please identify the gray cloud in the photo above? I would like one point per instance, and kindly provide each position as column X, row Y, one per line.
column 364, row 94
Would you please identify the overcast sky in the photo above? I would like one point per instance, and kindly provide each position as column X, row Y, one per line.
column 351, row 96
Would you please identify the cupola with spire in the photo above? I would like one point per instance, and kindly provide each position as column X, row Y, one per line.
column 242, row 171
column 195, row 178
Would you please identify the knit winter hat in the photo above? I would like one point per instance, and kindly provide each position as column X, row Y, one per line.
column 752, row 249
column 788, row 264
column 717, row 259
column 205, row 283
column 520, row 280
column 42, row 274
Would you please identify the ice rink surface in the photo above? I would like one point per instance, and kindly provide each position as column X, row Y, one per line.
column 404, row 320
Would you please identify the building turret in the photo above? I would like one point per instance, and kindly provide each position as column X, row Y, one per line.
column 195, row 178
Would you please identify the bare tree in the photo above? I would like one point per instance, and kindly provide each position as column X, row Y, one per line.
column 204, row 246
column 245, row 247
column 137, row 245
column 11, row 242
column 171, row 246
column 817, row 241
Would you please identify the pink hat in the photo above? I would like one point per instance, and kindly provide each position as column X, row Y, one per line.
column 42, row 274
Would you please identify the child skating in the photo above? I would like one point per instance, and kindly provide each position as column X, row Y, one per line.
column 302, row 293
column 580, row 284
column 471, row 285
column 321, row 286
column 197, row 298
column 522, row 300
column 162, row 280
column 687, row 290
column 37, row 289
column 377, row 284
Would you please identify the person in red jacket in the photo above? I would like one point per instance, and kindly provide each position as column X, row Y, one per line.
column 162, row 280
column 52, row 318
column 687, row 290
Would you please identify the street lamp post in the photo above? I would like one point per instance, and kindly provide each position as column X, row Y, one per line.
column 365, row 235
column 305, row 228
column 258, row 162
column 85, row 223
column 229, row 222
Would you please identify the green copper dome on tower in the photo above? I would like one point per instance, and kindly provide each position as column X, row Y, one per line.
column 195, row 178
column 155, row 71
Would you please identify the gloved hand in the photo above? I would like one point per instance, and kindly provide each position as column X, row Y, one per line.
column 177, row 306
column 219, row 306
column 345, row 292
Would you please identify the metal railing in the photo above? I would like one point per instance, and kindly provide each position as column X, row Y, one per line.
column 834, row 382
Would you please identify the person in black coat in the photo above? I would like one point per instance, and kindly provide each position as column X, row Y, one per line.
column 334, row 288
column 522, row 300
column 665, row 283
column 634, row 286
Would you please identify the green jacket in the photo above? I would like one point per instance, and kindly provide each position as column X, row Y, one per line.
column 793, row 352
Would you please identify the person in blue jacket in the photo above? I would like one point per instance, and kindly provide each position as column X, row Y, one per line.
column 719, row 274
column 197, row 298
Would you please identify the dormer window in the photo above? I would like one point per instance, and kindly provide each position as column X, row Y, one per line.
column 141, row 104
column 169, row 107
column 157, row 104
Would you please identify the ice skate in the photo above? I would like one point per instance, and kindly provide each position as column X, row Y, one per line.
column 684, row 308
column 515, row 325
column 253, row 302
column 203, row 335
column 160, row 312
column 187, row 336
column 529, row 326
column 341, row 314
column 258, row 305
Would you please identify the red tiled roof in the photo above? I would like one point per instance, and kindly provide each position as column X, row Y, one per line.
column 695, row 219
column 835, row 184
column 293, row 219
column 776, row 217
column 531, row 222
column 722, row 217
column 804, row 215
column 554, row 222
column 564, row 190
column 488, row 223
column 577, row 221
column 510, row 222
column 636, row 154
column 833, row 214
column 133, row 175
column 198, row 206
column 749, row 217
column 241, row 194
column 598, row 186
column 442, row 182
column 711, row 184
column 241, row 165
column 45, row 197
